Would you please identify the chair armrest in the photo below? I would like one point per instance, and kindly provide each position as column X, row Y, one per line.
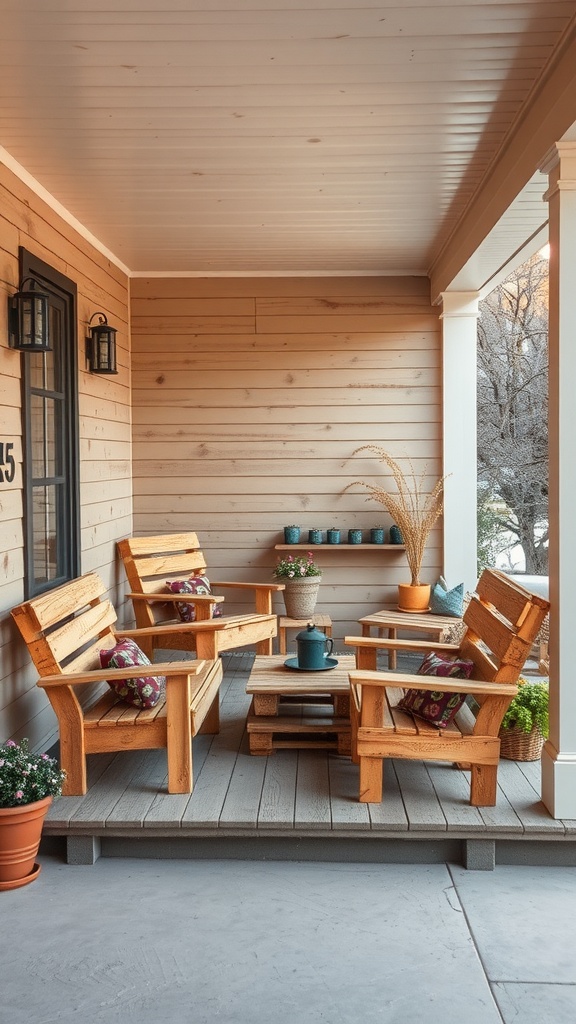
column 102, row 675
column 379, row 643
column 181, row 598
column 181, row 628
column 271, row 587
column 446, row 685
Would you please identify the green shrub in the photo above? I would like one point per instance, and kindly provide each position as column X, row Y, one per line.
column 529, row 708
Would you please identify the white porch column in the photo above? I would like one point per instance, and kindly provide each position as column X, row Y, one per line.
column 559, row 755
column 459, row 342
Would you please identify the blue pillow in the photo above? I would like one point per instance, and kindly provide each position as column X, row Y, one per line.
column 447, row 602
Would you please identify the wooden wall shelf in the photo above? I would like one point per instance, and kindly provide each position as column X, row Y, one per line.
column 339, row 547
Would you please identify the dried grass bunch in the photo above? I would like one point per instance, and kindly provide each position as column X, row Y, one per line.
column 412, row 508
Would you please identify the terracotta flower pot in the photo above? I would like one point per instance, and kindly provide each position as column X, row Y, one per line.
column 20, row 832
column 413, row 598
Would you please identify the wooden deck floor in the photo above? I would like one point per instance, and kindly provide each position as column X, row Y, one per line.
column 304, row 795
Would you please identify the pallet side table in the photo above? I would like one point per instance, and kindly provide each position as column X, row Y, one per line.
column 323, row 622
column 393, row 621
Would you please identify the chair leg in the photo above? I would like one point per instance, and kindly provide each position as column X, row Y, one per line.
column 483, row 785
column 72, row 742
column 371, row 773
column 179, row 735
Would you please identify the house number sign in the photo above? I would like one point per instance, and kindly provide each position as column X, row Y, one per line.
column 7, row 464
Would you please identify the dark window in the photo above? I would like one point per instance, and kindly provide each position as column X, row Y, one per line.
column 50, row 411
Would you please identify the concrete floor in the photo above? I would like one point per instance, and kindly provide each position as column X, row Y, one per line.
column 253, row 942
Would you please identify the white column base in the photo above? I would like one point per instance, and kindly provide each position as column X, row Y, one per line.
column 559, row 782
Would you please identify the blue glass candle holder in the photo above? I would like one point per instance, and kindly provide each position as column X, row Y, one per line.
column 314, row 536
column 291, row 534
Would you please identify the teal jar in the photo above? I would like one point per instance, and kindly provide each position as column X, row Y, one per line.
column 314, row 536
column 354, row 536
column 395, row 535
column 333, row 536
column 291, row 534
column 377, row 535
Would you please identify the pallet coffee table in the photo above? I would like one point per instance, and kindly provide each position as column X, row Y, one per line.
column 393, row 620
column 298, row 709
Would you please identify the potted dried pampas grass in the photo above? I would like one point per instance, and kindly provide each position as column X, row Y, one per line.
column 415, row 510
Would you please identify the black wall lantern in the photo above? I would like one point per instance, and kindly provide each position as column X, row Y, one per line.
column 28, row 325
column 101, row 346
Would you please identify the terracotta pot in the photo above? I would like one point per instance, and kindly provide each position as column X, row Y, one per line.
column 300, row 596
column 414, row 598
column 20, row 832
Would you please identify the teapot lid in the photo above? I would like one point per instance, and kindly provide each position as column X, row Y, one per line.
column 311, row 634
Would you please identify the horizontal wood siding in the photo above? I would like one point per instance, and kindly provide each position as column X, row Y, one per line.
column 249, row 398
column 105, row 440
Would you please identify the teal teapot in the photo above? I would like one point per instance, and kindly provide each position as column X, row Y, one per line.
column 313, row 648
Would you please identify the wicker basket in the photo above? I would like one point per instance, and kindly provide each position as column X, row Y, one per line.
column 516, row 745
column 300, row 596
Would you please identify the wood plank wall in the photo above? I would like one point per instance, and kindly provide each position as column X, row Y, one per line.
column 249, row 398
column 105, row 441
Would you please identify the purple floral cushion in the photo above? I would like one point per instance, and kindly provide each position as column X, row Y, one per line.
column 142, row 691
column 195, row 585
column 434, row 705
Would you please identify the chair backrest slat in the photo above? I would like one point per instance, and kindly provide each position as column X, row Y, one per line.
column 150, row 561
column 66, row 628
column 502, row 620
column 162, row 543
column 155, row 569
column 47, row 609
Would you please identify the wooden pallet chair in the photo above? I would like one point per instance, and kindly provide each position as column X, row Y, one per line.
column 65, row 629
column 150, row 562
column 502, row 620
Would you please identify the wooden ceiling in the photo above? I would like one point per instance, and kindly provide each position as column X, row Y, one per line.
column 269, row 136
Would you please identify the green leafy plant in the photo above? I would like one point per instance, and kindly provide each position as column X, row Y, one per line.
column 295, row 568
column 529, row 708
column 26, row 777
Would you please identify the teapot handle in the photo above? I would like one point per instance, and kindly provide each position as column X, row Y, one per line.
column 330, row 643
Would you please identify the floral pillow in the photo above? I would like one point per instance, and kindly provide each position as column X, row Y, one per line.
column 142, row 691
column 195, row 585
column 434, row 705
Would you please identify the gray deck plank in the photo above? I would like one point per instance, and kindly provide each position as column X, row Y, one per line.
column 420, row 801
column 526, row 801
column 312, row 807
column 502, row 817
column 242, row 802
column 136, row 800
column 278, row 797
column 100, row 801
column 533, row 772
column 167, row 808
column 389, row 815
column 347, row 811
column 62, row 809
column 206, row 802
column 453, row 791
